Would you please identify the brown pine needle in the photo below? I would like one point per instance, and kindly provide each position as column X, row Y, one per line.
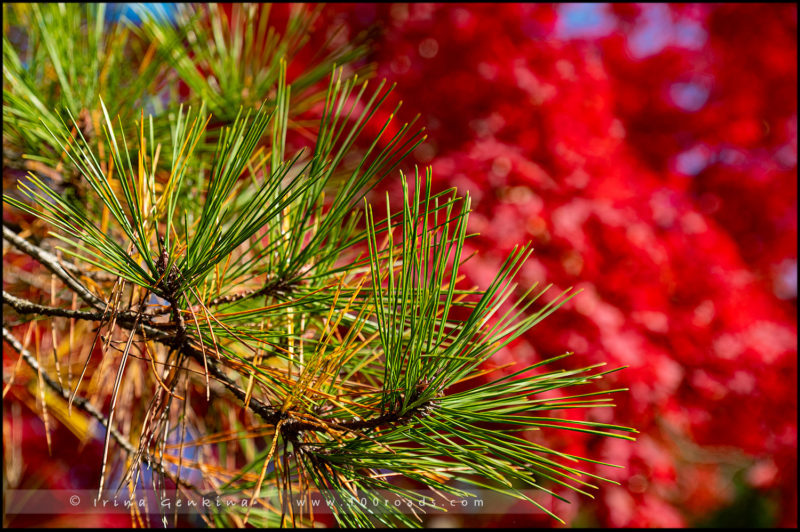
column 117, row 384
column 25, row 341
column 151, row 359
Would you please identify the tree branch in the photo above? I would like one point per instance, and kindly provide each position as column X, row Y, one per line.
column 51, row 262
column 23, row 306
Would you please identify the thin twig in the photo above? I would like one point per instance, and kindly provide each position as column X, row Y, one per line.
column 271, row 288
column 81, row 403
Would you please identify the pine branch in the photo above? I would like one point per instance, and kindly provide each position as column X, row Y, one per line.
column 52, row 263
column 23, row 306
column 289, row 427
column 269, row 414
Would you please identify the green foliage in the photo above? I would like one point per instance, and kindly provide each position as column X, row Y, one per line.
column 230, row 61
column 60, row 58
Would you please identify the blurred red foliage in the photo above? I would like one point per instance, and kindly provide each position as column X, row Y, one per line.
column 652, row 160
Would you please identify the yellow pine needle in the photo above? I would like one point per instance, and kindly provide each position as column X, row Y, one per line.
column 344, row 393
column 104, row 217
column 177, row 239
column 375, row 474
column 154, row 164
column 225, row 269
column 71, row 340
column 278, row 373
column 290, row 337
column 142, row 199
column 101, row 147
column 217, row 282
column 203, row 348
column 364, row 343
column 311, row 392
column 328, row 363
column 148, row 56
column 264, row 470
column 318, row 362
column 341, row 404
